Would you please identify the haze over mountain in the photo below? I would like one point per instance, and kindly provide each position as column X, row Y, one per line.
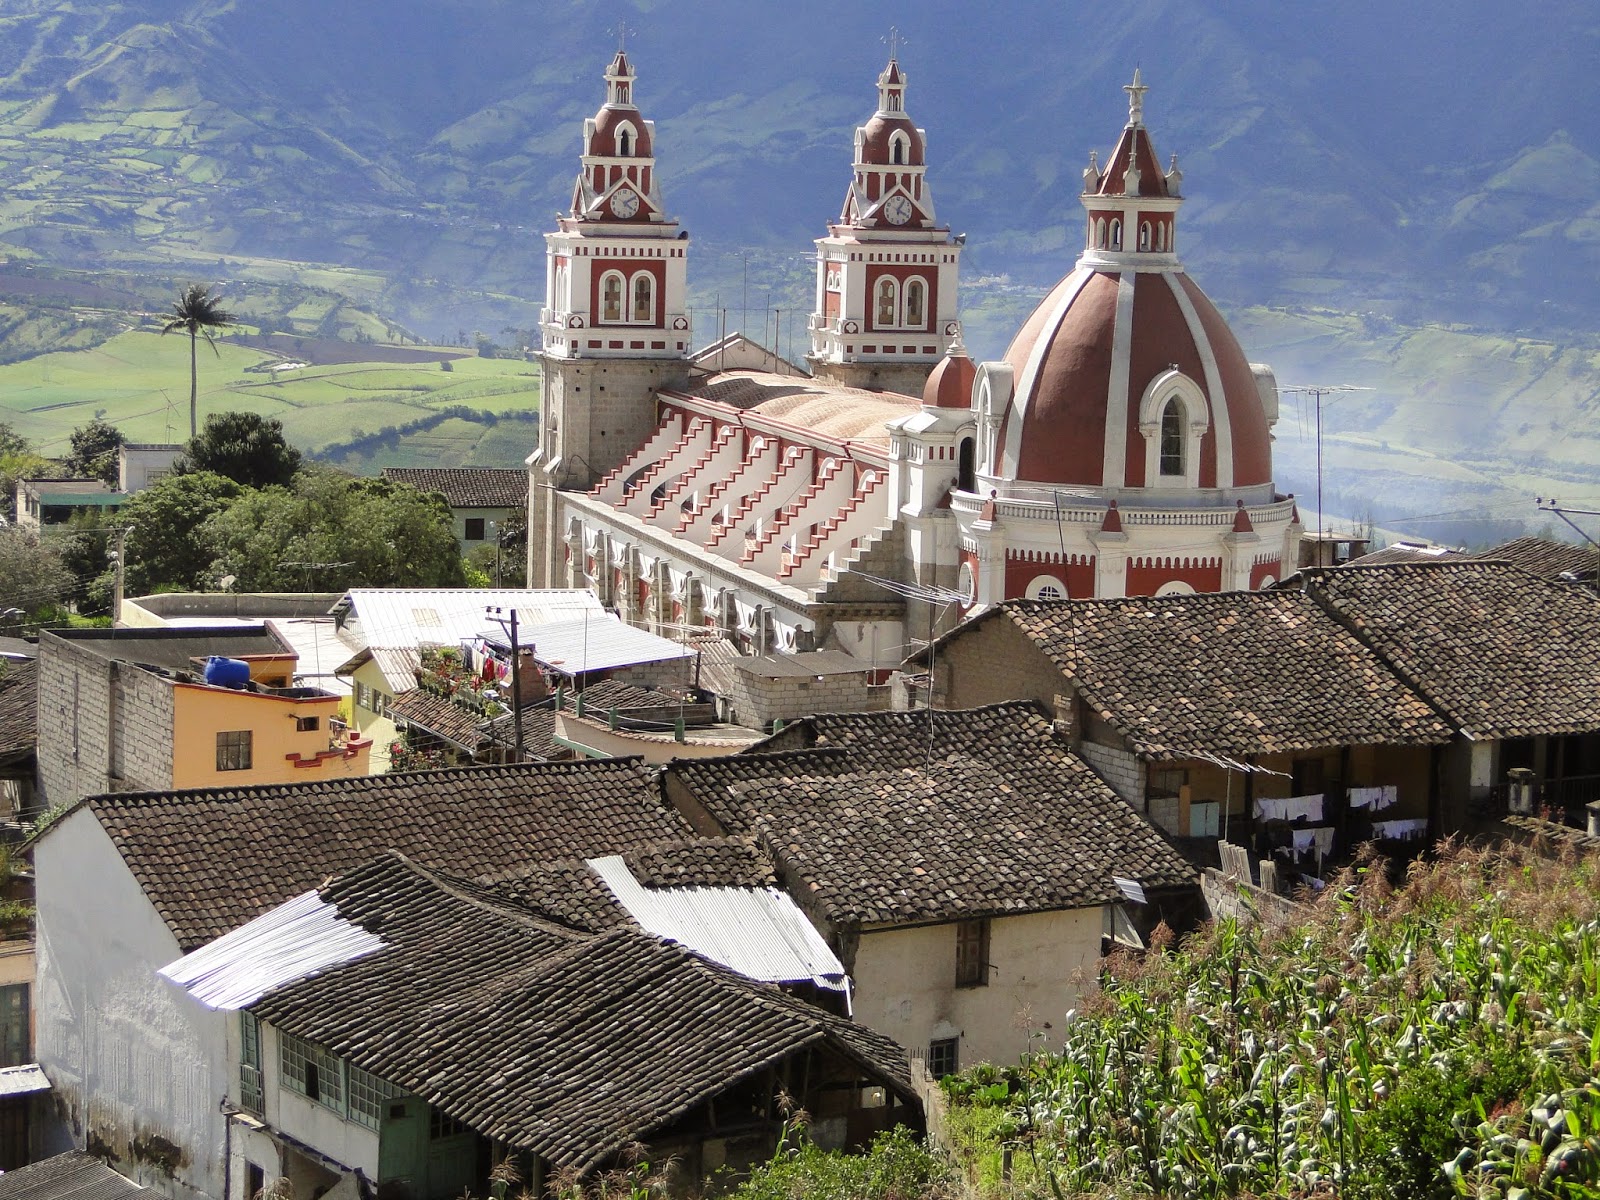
column 1422, row 162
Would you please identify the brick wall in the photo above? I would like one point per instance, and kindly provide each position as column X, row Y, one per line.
column 993, row 662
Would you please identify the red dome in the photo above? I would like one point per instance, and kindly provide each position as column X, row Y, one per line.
column 950, row 384
column 875, row 141
column 606, row 124
column 1095, row 365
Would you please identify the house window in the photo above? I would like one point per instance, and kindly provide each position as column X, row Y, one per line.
column 475, row 529
column 363, row 696
column 307, row 724
column 250, row 1062
column 313, row 1072
column 611, row 297
column 644, row 299
column 441, row 1126
column 233, row 750
column 1172, row 438
column 15, row 1043
column 944, row 1057
column 972, row 954
column 368, row 1094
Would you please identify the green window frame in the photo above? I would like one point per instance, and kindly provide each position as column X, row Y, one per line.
column 16, row 1041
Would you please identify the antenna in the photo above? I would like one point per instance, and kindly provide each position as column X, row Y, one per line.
column 1319, row 390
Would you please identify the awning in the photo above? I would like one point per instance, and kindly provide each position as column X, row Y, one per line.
column 23, row 1081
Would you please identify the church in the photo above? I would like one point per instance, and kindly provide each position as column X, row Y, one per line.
column 890, row 485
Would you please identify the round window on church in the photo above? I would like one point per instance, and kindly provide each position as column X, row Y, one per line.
column 1175, row 587
column 1046, row 587
column 967, row 583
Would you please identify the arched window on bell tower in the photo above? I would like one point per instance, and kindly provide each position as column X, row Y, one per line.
column 916, row 304
column 897, row 150
column 625, row 143
column 611, row 296
column 1172, row 439
column 888, row 303
column 644, row 298
column 1116, row 233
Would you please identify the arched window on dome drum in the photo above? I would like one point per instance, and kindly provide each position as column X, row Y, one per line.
column 966, row 466
column 888, row 302
column 625, row 143
column 897, row 150
column 1045, row 587
column 1172, row 438
column 1116, row 234
column 1144, row 235
column 644, row 298
column 916, row 304
column 1100, row 233
column 611, row 296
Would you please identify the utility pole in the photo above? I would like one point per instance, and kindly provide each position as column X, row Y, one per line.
column 1319, row 390
column 496, row 613
column 1549, row 505
column 119, row 574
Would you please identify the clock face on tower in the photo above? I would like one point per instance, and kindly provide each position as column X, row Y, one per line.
column 625, row 203
column 897, row 210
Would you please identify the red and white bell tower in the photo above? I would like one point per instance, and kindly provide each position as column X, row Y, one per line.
column 615, row 319
column 888, row 270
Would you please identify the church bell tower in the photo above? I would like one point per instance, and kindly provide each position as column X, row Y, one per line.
column 615, row 322
column 887, row 271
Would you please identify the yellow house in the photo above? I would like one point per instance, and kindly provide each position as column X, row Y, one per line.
column 282, row 735
column 130, row 710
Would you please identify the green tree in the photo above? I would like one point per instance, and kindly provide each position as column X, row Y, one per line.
column 18, row 460
column 33, row 579
column 163, row 546
column 93, row 453
column 245, row 447
column 198, row 313
column 332, row 531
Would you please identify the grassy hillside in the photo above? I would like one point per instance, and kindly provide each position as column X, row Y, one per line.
column 480, row 411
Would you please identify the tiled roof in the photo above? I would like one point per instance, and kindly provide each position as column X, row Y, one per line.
column 211, row 859
column 893, row 817
column 833, row 411
column 1230, row 673
column 1502, row 653
column 442, row 717
column 467, row 487
column 1546, row 557
column 571, row 893
column 18, row 715
column 566, row 1045
column 70, row 1176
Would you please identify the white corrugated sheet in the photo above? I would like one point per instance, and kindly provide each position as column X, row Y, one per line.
column 293, row 941
column 601, row 643
column 23, row 1081
column 395, row 618
column 758, row 932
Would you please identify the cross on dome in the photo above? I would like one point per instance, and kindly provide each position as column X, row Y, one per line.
column 1136, row 91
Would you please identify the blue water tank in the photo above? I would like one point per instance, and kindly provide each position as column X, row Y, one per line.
column 227, row 672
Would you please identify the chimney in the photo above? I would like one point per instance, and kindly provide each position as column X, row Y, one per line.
column 530, row 678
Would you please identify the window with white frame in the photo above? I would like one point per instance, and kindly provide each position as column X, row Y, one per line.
column 644, row 298
column 611, row 297
column 888, row 303
column 916, row 314
column 1173, row 439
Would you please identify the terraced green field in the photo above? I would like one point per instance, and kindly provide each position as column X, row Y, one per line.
column 139, row 381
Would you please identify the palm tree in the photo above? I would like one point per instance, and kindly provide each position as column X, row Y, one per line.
column 198, row 312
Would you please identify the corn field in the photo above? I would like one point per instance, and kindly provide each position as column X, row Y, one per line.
column 1439, row 1038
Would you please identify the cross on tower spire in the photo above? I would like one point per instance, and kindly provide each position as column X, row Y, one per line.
column 1136, row 91
column 622, row 31
column 894, row 39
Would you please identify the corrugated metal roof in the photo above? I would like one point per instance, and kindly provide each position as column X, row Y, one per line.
column 70, row 1176
column 291, row 942
column 319, row 650
column 398, row 667
column 394, row 618
column 598, row 644
column 23, row 1081
column 759, row 932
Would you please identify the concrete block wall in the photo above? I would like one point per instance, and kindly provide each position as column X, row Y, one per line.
column 1125, row 774
column 757, row 702
column 993, row 663
column 102, row 726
